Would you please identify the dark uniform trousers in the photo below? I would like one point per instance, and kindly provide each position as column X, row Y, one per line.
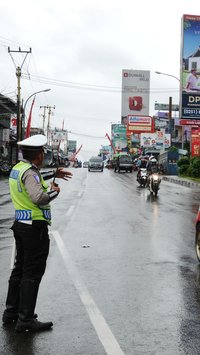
column 32, row 245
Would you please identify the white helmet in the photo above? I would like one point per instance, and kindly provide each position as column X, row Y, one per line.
column 153, row 161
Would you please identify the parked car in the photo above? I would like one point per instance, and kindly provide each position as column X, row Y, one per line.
column 95, row 163
column 197, row 234
column 124, row 162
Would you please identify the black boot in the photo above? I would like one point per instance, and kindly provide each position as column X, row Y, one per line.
column 10, row 314
column 28, row 297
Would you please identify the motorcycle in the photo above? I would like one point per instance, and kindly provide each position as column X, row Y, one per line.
column 5, row 167
column 142, row 177
column 197, row 235
column 154, row 183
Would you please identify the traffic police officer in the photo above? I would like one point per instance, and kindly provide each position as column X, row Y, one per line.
column 32, row 216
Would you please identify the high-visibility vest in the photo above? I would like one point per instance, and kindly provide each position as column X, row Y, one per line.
column 25, row 209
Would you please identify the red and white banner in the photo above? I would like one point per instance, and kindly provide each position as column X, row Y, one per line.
column 195, row 142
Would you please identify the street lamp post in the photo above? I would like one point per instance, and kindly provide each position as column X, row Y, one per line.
column 24, row 108
column 170, row 98
column 21, row 122
column 173, row 76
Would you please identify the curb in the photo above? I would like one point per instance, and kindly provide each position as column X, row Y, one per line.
column 179, row 181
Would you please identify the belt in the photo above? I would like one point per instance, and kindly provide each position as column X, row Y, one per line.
column 25, row 222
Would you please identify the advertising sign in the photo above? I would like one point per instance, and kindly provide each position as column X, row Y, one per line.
column 195, row 142
column 135, row 93
column 190, row 67
column 190, row 122
column 155, row 140
column 118, row 137
column 139, row 124
column 59, row 135
column 165, row 107
column 71, row 146
column 6, row 135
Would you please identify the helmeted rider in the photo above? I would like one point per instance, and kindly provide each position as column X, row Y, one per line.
column 143, row 165
column 152, row 167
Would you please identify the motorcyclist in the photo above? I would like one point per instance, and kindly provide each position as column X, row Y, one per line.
column 142, row 165
column 152, row 168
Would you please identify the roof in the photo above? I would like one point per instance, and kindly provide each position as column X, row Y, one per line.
column 195, row 54
column 7, row 105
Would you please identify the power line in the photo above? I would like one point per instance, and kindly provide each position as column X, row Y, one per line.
column 86, row 135
column 84, row 86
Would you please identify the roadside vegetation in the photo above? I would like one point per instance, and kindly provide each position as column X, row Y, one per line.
column 189, row 167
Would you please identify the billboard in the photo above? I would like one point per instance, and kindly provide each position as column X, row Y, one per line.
column 71, row 146
column 190, row 67
column 139, row 124
column 165, row 107
column 156, row 140
column 118, row 137
column 135, row 93
column 59, row 135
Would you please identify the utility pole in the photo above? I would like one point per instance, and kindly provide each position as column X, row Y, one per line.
column 44, row 116
column 48, row 124
column 170, row 115
column 18, row 74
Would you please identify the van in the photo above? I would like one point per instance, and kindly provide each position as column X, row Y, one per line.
column 124, row 162
column 95, row 163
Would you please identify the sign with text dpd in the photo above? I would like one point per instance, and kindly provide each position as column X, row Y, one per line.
column 190, row 67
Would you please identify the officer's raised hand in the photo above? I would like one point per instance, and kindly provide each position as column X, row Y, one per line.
column 63, row 174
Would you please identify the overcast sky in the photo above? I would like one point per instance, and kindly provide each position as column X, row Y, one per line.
column 79, row 49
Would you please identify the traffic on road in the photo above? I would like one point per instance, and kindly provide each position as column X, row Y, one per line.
column 122, row 275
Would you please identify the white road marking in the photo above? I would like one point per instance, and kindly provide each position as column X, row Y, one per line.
column 69, row 211
column 102, row 329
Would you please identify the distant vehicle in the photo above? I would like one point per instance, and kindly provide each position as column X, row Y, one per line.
column 197, row 235
column 85, row 164
column 77, row 164
column 95, row 163
column 124, row 162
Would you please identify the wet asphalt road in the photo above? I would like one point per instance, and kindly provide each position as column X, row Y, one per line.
column 122, row 275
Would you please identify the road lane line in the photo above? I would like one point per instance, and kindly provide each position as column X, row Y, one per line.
column 102, row 329
column 69, row 211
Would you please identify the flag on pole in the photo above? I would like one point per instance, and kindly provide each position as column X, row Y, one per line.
column 28, row 128
column 110, row 142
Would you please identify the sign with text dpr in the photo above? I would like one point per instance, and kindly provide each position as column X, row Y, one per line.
column 190, row 67
column 135, row 93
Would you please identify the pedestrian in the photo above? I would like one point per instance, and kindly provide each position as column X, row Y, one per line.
column 31, row 200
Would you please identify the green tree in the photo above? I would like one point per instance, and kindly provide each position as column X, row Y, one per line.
column 183, row 164
column 194, row 169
